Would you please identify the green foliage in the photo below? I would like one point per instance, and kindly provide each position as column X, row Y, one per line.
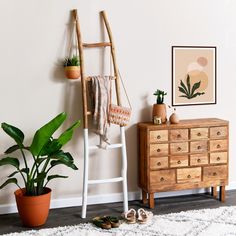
column 160, row 96
column 189, row 92
column 71, row 61
column 45, row 151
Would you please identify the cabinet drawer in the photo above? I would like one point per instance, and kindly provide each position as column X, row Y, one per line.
column 218, row 132
column 178, row 134
column 218, row 157
column 178, row 148
column 215, row 172
column 189, row 175
column 158, row 163
column 178, row 161
column 199, row 133
column 158, row 136
column 198, row 146
column 218, row 145
column 162, row 177
column 198, row 159
column 159, row 149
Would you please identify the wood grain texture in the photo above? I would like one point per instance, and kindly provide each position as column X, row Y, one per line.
column 219, row 132
column 198, row 159
column 218, row 157
column 158, row 163
column 189, row 175
column 179, row 148
column 158, row 136
column 218, row 145
column 214, row 172
column 198, row 146
column 159, row 149
column 199, row 133
column 178, row 134
column 179, row 161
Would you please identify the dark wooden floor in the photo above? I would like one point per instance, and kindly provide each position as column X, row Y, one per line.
column 71, row 216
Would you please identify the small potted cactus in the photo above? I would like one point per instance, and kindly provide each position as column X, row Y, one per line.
column 72, row 67
column 159, row 109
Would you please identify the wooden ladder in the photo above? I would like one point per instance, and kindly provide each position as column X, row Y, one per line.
column 87, row 113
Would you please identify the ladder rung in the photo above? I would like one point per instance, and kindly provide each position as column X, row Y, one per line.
column 89, row 113
column 111, row 146
column 95, row 45
column 103, row 181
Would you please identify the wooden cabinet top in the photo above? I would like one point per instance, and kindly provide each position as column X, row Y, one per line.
column 186, row 124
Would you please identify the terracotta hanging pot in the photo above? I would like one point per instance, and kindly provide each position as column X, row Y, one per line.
column 159, row 110
column 33, row 210
column 72, row 72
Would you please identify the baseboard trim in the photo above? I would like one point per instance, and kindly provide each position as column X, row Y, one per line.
column 106, row 198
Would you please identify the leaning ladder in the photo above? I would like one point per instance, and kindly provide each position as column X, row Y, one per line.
column 86, row 113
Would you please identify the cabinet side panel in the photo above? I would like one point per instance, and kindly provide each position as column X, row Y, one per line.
column 142, row 165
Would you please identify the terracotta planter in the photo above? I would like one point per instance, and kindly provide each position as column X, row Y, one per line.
column 33, row 210
column 159, row 110
column 72, row 72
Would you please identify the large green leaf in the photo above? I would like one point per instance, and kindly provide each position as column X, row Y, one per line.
column 63, row 162
column 188, row 84
column 14, row 133
column 50, row 177
column 40, row 177
column 67, row 135
column 24, row 170
column 9, row 181
column 12, row 149
column 43, row 135
column 195, row 87
column 50, row 147
column 10, row 161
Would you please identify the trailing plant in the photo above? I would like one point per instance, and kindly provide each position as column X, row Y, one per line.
column 73, row 61
column 45, row 151
column 189, row 92
column 160, row 96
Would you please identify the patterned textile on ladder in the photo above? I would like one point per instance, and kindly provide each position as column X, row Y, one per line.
column 100, row 88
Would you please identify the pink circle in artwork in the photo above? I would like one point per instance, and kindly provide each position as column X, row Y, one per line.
column 202, row 61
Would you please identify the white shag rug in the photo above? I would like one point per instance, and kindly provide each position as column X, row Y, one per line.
column 207, row 222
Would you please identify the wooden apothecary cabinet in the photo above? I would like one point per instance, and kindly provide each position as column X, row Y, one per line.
column 191, row 154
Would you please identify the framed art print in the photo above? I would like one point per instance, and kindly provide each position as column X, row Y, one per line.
column 193, row 75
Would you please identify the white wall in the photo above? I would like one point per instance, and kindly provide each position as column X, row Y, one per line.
column 34, row 38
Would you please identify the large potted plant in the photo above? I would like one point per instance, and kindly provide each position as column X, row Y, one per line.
column 45, row 152
column 72, row 67
column 159, row 109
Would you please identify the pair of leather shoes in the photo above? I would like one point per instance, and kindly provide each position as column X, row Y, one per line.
column 106, row 222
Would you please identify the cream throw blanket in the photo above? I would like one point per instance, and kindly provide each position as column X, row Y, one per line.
column 100, row 97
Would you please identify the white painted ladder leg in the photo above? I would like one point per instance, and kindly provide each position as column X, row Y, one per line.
column 85, row 179
column 124, row 169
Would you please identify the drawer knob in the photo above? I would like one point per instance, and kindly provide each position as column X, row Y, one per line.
column 214, row 174
column 158, row 150
column 189, row 176
column 162, row 179
column 199, row 134
column 158, row 136
column 198, row 160
column 199, row 147
column 218, row 158
column 179, row 136
column 218, row 146
column 179, row 148
column 218, row 133
column 179, row 162
column 159, row 163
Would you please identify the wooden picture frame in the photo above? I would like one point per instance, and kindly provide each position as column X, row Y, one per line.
column 193, row 75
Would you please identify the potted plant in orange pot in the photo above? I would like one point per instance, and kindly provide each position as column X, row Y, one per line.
column 45, row 152
column 159, row 109
column 72, row 67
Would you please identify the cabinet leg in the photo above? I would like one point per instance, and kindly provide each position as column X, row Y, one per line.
column 222, row 193
column 144, row 197
column 151, row 200
column 214, row 192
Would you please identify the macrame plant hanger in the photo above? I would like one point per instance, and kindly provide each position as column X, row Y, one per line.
column 86, row 113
